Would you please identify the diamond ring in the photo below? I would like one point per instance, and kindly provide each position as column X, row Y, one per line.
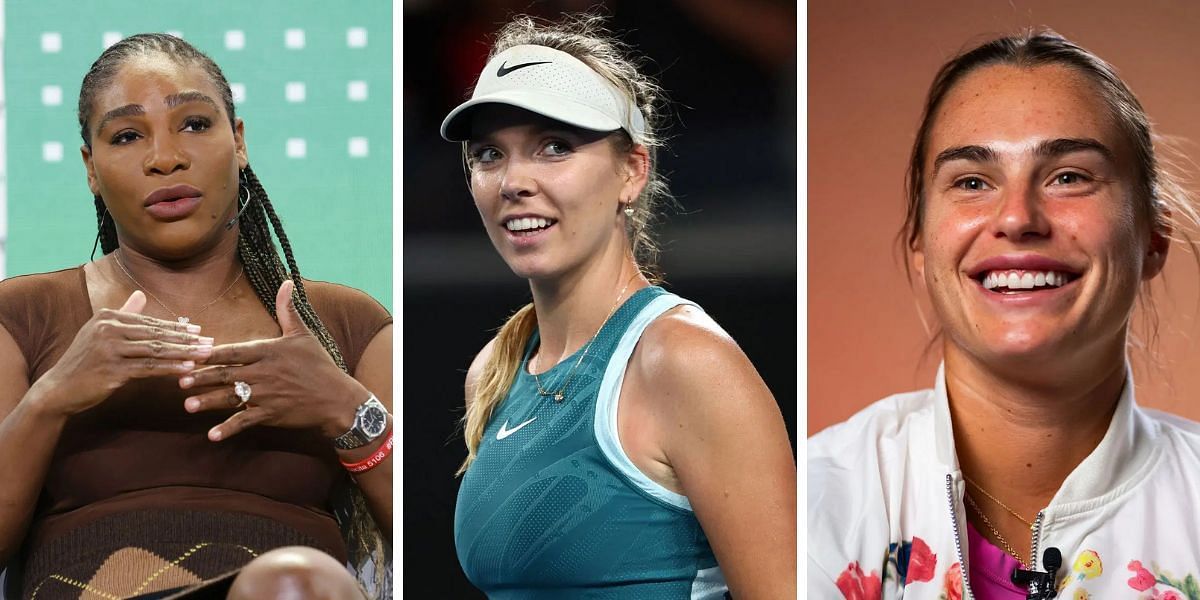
column 242, row 390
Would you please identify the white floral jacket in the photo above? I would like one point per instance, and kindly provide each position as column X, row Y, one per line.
column 886, row 516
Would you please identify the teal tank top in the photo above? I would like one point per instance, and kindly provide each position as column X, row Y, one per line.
column 552, row 507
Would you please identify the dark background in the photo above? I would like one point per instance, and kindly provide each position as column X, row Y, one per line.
column 730, row 71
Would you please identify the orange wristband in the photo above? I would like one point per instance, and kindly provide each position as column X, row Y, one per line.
column 371, row 461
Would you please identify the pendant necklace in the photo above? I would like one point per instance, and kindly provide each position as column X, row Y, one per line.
column 558, row 395
column 178, row 317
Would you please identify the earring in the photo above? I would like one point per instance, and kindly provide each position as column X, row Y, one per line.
column 628, row 210
column 99, row 231
column 243, row 187
column 243, row 198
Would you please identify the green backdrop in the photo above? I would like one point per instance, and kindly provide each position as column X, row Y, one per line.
column 335, row 200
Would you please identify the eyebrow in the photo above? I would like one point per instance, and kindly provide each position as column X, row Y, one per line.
column 174, row 100
column 971, row 153
column 121, row 111
column 1044, row 149
column 171, row 101
column 1061, row 146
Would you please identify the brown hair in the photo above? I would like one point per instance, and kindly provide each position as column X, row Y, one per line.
column 584, row 37
column 1161, row 200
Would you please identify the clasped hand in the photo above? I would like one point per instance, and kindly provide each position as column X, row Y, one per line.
column 294, row 382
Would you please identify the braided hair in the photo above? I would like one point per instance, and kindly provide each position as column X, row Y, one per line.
column 263, row 267
column 260, row 259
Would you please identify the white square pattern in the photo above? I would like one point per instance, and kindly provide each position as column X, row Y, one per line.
column 51, row 95
column 51, row 42
column 293, row 39
column 297, row 148
column 235, row 39
column 52, row 151
column 294, row 91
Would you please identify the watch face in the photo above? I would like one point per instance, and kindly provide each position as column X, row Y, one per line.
column 374, row 421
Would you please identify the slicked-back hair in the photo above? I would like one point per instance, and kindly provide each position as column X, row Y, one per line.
column 1160, row 200
column 264, row 268
column 106, row 67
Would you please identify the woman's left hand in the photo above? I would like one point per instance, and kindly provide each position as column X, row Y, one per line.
column 294, row 383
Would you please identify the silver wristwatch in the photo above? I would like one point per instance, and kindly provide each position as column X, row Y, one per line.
column 370, row 421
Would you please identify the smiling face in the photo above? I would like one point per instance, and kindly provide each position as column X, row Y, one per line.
column 1031, row 247
column 549, row 193
column 164, row 158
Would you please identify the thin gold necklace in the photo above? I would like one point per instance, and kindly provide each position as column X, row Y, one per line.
column 178, row 317
column 558, row 396
column 999, row 538
column 997, row 501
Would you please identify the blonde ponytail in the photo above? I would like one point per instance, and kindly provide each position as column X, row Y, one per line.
column 585, row 37
column 496, row 377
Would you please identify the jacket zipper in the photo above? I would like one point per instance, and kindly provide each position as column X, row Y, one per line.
column 1037, row 532
column 1033, row 551
column 962, row 567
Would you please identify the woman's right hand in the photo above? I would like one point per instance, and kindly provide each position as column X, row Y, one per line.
column 114, row 347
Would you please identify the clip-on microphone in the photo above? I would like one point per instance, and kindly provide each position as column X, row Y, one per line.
column 1041, row 585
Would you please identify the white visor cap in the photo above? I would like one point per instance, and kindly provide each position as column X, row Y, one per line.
column 553, row 84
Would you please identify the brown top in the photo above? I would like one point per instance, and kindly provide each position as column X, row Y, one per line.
column 139, row 449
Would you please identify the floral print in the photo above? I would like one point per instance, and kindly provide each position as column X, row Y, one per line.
column 855, row 585
column 1087, row 565
column 1142, row 579
column 905, row 562
column 1160, row 585
column 922, row 562
column 952, row 583
column 912, row 562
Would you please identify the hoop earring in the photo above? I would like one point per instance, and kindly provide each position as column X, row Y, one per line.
column 243, row 198
column 99, row 232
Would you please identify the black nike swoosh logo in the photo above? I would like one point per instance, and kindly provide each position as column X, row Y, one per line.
column 505, row 70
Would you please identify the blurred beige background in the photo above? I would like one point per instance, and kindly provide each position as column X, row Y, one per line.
column 869, row 66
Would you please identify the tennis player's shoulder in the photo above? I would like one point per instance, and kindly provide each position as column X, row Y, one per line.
column 1181, row 431
column 53, row 282
column 328, row 297
column 687, row 355
column 686, row 338
column 36, row 299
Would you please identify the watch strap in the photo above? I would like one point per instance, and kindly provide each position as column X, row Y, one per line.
column 356, row 437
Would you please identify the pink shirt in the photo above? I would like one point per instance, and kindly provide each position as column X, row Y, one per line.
column 991, row 569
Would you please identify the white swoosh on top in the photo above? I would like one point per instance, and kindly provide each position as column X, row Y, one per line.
column 505, row 431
